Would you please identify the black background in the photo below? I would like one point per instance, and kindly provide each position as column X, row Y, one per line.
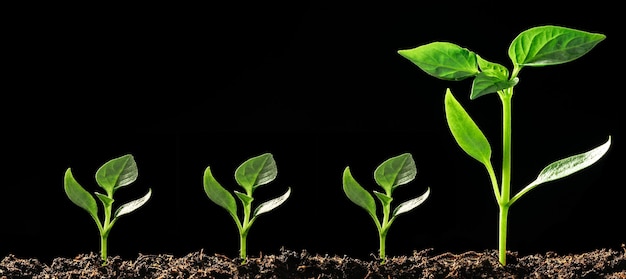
column 321, row 87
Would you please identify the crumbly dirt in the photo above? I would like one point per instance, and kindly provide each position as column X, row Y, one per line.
column 602, row 263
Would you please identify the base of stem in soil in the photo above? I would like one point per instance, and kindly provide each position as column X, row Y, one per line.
column 601, row 263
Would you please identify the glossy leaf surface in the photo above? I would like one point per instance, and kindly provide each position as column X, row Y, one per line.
column 466, row 133
column 78, row 195
column 551, row 45
column 132, row 205
column 443, row 60
column 271, row 204
column 256, row 171
column 116, row 173
column 218, row 194
column 395, row 171
column 411, row 204
column 567, row 166
column 357, row 194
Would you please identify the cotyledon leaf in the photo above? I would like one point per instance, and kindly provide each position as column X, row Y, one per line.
column 411, row 204
column 132, row 205
column 271, row 204
column 78, row 195
column 443, row 60
column 566, row 166
column 218, row 194
column 256, row 171
column 395, row 171
column 116, row 173
column 357, row 194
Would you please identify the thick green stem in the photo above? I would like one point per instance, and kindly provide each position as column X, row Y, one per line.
column 242, row 245
column 382, row 239
column 504, row 212
column 103, row 248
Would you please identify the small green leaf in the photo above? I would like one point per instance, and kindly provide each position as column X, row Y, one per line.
column 357, row 194
column 466, row 133
column 117, row 173
column 132, row 205
column 244, row 198
column 271, row 204
column 443, row 60
column 384, row 199
column 551, row 45
column 256, row 171
column 567, row 166
column 78, row 195
column 484, row 84
column 395, row 171
column 218, row 194
column 492, row 69
column 106, row 201
column 410, row 204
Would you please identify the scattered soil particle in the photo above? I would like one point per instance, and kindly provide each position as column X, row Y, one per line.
column 601, row 263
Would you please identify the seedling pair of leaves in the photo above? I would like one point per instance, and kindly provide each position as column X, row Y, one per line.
column 389, row 175
column 251, row 174
column 536, row 47
column 111, row 176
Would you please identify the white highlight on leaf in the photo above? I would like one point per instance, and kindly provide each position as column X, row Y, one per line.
column 271, row 204
column 131, row 206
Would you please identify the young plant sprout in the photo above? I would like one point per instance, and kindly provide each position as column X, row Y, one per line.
column 389, row 175
column 535, row 47
column 251, row 174
column 111, row 176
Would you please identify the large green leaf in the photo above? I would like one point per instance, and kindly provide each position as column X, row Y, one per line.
column 218, row 194
column 395, row 171
column 551, row 45
column 132, row 205
column 567, row 166
column 443, row 60
column 271, row 204
column 256, row 171
column 357, row 194
column 78, row 195
column 466, row 133
column 116, row 173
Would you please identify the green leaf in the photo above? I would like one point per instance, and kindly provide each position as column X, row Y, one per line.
column 218, row 194
column 357, row 194
column 132, row 205
column 106, row 201
column 244, row 198
column 492, row 69
column 443, row 60
column 551, row 45
column 271, row 204
column 484, row 84
column 78, row 195
column 410, row 204
column 256, row 171
column 395, row 171
column 466, row 133
column 384, row 199
column 117, row 173
column 567, row 166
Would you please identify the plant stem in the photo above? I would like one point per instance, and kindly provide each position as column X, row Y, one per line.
column 504, row 202
column 504, row 212
column 242, row 244
column 103, row 248
column 382, row 238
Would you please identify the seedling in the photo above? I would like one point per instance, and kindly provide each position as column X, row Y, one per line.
column 390, row 174
column 251, row 174
column 535, row 47
column 111, row 176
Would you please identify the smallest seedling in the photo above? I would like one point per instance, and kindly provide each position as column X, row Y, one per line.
column 251, row 174
column 111, row 176
column 390, row 174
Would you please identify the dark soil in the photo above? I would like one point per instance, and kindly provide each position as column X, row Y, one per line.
column 602, row 263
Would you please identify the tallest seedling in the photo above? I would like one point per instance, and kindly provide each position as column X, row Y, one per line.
column 535, row 47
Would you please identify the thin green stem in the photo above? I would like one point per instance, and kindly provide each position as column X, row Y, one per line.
column 383, row 239
column 243, row 233
column 504, row 202
column 384, row 228
column 504, row 212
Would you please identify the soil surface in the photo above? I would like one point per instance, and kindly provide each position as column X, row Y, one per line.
column 602, row 263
